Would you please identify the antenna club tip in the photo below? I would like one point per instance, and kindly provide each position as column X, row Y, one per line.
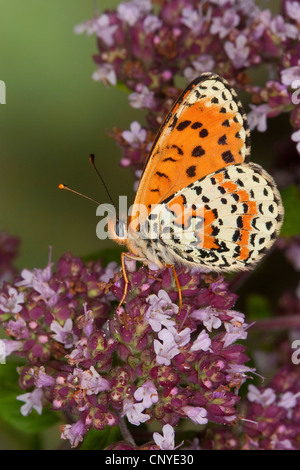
column 61, row 186
column 92, row 157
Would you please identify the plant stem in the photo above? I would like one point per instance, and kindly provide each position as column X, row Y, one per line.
column 125, row 432
column 277, row 323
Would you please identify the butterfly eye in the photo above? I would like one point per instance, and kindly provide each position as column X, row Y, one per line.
column 120, row 229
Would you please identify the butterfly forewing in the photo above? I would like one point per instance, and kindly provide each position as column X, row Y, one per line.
column 205, row 130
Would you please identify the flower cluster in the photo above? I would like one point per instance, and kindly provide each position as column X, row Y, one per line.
column 150, row 48
column 273, row 417
column 271, row 420
column 146, row 360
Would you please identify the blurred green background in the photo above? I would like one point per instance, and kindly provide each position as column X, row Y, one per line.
column 55, row 115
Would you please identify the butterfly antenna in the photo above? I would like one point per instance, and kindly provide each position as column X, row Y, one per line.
column 92, row 160
column 63, row 186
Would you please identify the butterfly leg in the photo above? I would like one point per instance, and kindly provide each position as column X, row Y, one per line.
column 177, row 284
column 135, row 258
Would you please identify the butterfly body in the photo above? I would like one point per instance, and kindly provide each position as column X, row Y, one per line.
column 200, row 203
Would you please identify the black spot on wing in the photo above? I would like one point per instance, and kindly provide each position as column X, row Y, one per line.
column 239, row 221
column 228, row 157
column 179, row 150
column 196, row 125
column 236, row 236
column 203, row 133
column 222, row 140
column 198, row 151
column 183, row 125
column 269, row 225
column 191, row 171
column 162, row 175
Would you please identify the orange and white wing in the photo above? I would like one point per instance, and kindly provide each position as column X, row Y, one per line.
column 224, row 222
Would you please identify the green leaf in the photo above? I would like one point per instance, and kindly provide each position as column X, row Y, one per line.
column 99, row 440
column 121, row 86
column 291, row 203
column 258, row 306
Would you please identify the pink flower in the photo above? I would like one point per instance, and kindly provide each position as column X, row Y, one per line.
column 238, row 52
column 222, row 25
column 7, row 347
column 282, row 29
column 194, row 19
column 128, row 13
column 134, row 412
column 105, row 74
column 257, row 118
column 74, row 432
column 288, row 400
column 234, row 332
column 89, row 26
column 38, row 279
column 11, row 303
column 136, row 136
column 160, row 310
column 41, row 378
column 166, row 350
column 151, row 24
column 264, row 398
column 33, row 400
column 142, row 97
column 171, row 339
column 202, row 342
column 204, row 63
column 196, row 414
column 209, row 317
column 167, row 440
column 91, row 381
column 292, row 9
column 147, row 393
column 104, row 30
column 290, row 76
column 64, row 334
column 181, row 338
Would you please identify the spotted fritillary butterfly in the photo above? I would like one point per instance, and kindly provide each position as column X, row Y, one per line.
column 206, row 205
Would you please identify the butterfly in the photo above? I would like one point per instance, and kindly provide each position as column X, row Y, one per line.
column 200, row 202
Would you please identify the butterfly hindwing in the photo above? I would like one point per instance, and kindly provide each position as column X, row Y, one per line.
column 226, row 221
